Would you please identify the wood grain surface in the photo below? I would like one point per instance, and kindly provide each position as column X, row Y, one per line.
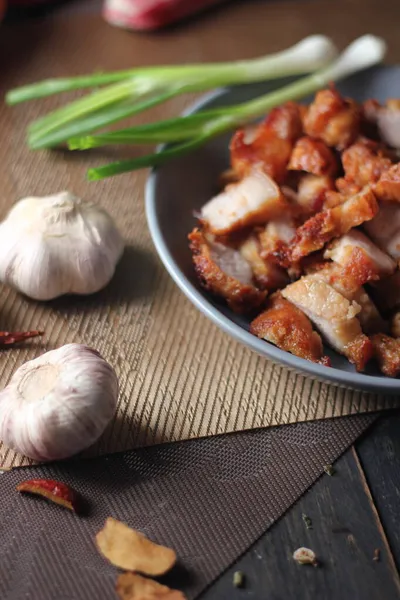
column 354, row 514
column 180, row 376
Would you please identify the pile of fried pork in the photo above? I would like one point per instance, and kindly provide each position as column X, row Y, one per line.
column 305, row 236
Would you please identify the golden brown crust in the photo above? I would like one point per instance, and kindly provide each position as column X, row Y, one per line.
column 281, row 232
column 267, row 275
column 387, row 353
column 333, row 119
column 388, row 186
column 360, row 351
column 240, row 297
column 331, row 223
column 266, row 151
column 312, row 192
column 350, row 276
column 358, row 269
column 364, row 162
column 287, row 327
column 286, row 121
column 312, row 156
column 270, row 145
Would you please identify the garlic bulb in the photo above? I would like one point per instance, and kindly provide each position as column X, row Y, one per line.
column 58, row 245
column 58, row 404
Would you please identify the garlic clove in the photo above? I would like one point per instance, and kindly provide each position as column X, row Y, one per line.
column 58, row 404
column 58, row 245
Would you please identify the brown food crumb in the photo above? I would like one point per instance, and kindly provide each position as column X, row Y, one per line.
column 329, row 470
column 305, row 556
column 238, row 579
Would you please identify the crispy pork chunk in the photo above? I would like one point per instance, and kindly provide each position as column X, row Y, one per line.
column 252, row 201
column 288, row 328
column 286, row 121
column 224, row 272
column 384, row 229
column 276, row 236
column 347, row 188
column 267, row 275
column 312, row 190
column 365, row 161
column 332, row 223
column 333, row 119
column 312, row 156
column 311, row 201
column 334, row 315
column 270, row 144
column 344, row 252
column 348, row 280
column 387, row 353
column 388, row 186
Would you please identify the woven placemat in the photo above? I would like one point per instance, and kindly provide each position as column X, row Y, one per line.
column 180, row 377
column 209, row 499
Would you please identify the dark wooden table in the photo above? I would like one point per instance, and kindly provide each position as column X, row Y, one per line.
column 356, row 512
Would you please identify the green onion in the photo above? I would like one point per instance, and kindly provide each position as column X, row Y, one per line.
column 361, row 54
column 130, row 92
column 307, row 55
column 138, row 89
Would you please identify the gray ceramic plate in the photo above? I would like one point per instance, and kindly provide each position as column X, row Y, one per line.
column 178, row 188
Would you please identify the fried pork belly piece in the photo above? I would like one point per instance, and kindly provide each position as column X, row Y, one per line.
column 334, row 315
column 269, row 145
column 348, row 280
column 388, row 186
column 254, row 200
column 286, row 121
column 267, row 275
column 365, row 161
column 344, row 252
column 312, row 156
column 224, row 272
column 276, row 236
column 384, row 229
column 334, row 222
column 333, row 199
column 347, row 188
column 287, row 327
column 312, row 191
column 387, row 353
column 343, row 279
column 333, row 119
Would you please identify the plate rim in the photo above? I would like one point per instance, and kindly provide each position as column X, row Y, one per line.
column 358, row 381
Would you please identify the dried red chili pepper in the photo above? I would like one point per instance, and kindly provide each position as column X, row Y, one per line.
column 13, row 337
column 55, row 491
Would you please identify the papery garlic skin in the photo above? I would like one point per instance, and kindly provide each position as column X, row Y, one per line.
column 58, row 245
column 58, row 404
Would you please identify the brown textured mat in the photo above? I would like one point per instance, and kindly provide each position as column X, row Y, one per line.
column 180, row 377
column 209, row 499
